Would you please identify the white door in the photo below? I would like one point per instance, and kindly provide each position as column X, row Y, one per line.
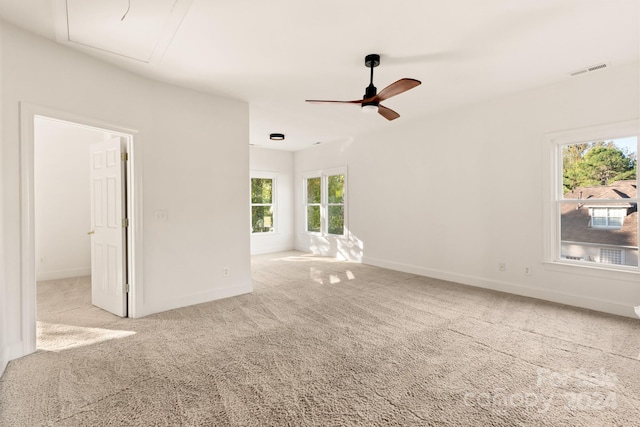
column 108, row 227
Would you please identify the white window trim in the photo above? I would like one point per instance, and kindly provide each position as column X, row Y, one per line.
column 274, row 199
column 552, row 187
column 324, row 175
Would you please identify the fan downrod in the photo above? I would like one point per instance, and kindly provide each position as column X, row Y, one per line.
column 371, row 61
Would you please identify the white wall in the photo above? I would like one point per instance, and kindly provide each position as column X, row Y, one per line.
column 279, row 163
column 194, row 163
column 62, row 199
column 454, row 194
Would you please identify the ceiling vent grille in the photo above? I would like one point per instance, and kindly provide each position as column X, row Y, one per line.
column 588, row 69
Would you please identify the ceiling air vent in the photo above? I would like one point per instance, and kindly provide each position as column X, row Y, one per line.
column 588, row 69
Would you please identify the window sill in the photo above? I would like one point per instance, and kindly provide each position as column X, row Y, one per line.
column 629, row 274
column 318, row 234
column 266, row 233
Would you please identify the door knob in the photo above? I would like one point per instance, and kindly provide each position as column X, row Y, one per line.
column 91, row 232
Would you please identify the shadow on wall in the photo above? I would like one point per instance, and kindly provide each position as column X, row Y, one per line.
column 345, row 248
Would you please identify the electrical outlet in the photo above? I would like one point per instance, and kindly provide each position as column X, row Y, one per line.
column 43, row 260
column 225, row 271
column 526, row 270
column 502, row 266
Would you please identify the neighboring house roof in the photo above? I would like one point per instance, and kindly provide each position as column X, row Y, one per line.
column 575, row 219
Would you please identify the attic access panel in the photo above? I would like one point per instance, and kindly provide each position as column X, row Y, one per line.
column 143, row 34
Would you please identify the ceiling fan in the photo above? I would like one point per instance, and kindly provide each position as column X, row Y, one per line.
column 371, row 100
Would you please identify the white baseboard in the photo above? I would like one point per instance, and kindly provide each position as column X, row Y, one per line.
column 605, row 306
column 62, row 274
column 271, row 249
column 10, row 352
column 212, row 295
column 16, row 350
column 4, row 360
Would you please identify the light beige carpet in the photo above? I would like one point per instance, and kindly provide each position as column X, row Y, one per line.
column 327, row 343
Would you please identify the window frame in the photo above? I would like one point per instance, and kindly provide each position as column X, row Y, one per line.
column 324, row 204
column 312, row 175
column 553, row 195
column 273, row 204
column 329, row 204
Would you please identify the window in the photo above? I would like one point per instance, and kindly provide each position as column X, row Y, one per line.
column 262, row 205
column 607, row 217
column 335, row 204
column 611, row 256
column 313, row 204
column 325, row 198
column 593, row 214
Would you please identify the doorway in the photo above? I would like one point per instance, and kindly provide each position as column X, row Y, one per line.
column 37, row 250
column 75, row 199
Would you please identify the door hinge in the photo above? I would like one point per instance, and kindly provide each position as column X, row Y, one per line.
column 125, row 222
column 125, row 288
column 124, row 156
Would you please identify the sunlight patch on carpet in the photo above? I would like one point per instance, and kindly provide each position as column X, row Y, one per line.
column 57, row 337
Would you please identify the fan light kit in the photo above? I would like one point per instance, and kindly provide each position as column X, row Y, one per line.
column 369, row 109
column 370, row 103
column 276, row 136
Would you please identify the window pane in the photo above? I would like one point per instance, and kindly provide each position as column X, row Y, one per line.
column 599, row 212
column 261, row 190
column 617, row 213
column 336, row 189
column 586, row 238
column 615, row 222
column 313, row 218
column 336, row 219
column 313, row 190
column 261, row 219
column 599, row 169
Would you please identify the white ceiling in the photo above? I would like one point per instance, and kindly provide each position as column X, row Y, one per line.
column 107, row 25
column 275, row 54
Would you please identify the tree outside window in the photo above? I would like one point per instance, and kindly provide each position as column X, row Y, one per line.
column 597, row 163
column 314, row 199
column 262, row 209
column 335, row 204
column 325, row 202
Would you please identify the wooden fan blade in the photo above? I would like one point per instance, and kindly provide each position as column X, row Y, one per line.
column 387, row 113
column 397, row 88
column 317, row 101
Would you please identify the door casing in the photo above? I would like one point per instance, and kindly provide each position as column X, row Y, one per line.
column 133, row 142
